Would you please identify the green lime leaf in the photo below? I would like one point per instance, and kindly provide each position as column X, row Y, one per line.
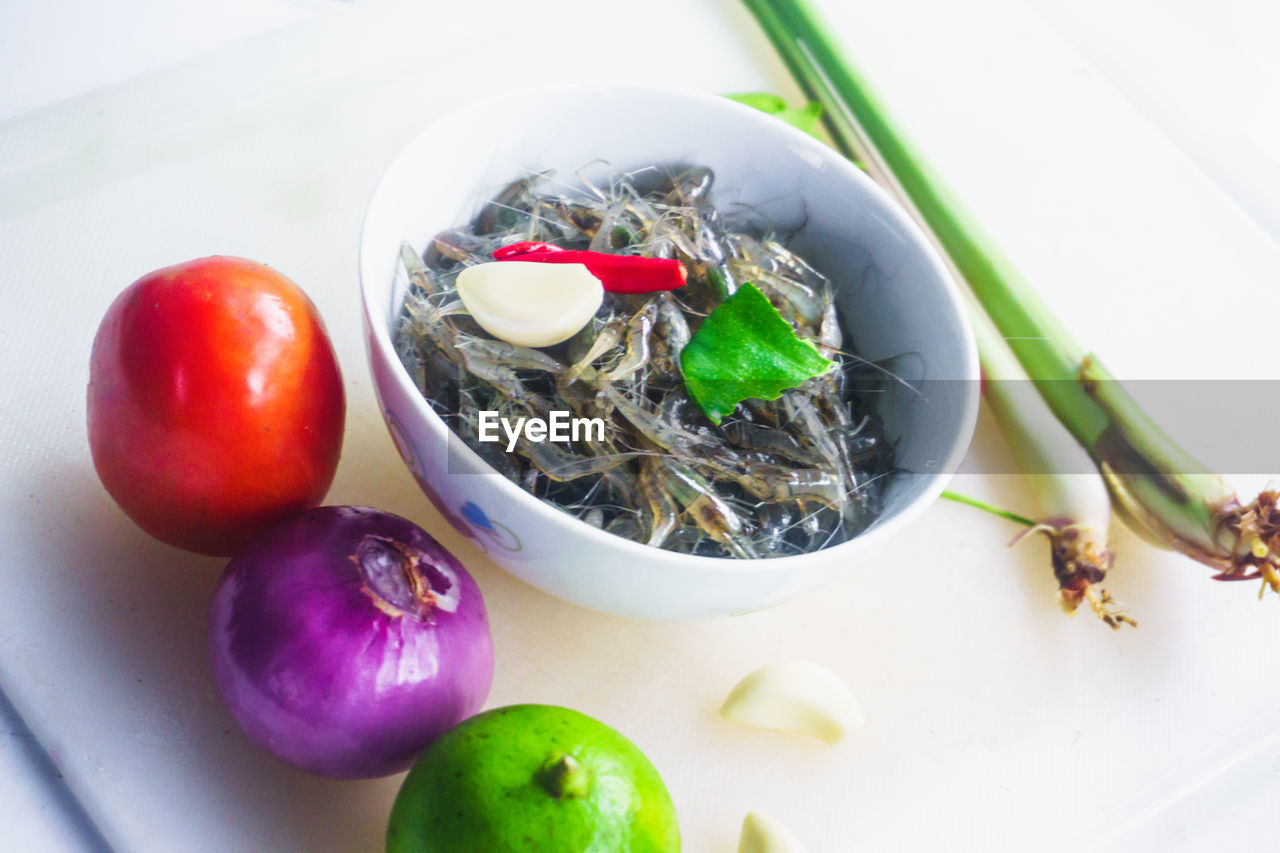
column 746, row 350
column 805, row 118
column 763, row 101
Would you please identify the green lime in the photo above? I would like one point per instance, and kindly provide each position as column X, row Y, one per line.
column 533, row 779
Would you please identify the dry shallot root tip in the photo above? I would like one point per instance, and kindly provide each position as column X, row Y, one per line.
column 1257, row 527
column 1080, row 565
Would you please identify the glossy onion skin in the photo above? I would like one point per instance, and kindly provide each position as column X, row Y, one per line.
column 215, row 403
column 320, row 670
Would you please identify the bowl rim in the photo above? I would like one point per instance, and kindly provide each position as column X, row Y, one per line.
column 883, row 529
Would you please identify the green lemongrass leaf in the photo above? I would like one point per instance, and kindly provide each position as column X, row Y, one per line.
column 765, row 102
column 745, row 350
column 967, row 500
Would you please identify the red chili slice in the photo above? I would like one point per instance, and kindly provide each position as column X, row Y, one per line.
column 524, row 247
column 617, row 273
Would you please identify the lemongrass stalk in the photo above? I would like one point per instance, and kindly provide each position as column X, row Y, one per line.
column 1075, row 509
column 1070, row 493
column 1161, row 491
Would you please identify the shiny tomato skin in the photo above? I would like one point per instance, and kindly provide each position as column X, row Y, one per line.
column 215, row 403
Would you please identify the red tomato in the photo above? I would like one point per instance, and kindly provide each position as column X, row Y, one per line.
column 215, row 403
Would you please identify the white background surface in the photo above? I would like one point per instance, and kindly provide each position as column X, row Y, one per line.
column 1138, row 202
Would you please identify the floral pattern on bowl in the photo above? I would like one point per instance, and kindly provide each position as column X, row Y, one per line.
column 469, row 520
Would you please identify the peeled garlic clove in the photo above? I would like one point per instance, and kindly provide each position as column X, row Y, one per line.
column 530, row 304
column 763, row 834
column 795, row 696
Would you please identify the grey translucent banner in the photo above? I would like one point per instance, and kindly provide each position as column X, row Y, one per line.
column 1227, row 426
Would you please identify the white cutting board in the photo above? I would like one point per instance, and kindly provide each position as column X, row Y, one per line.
column 994, row 722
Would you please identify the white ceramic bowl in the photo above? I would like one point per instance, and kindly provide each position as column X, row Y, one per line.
column 896, row 299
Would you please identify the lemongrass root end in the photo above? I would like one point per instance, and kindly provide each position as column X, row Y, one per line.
column 1257, row 554
column 1080, row 564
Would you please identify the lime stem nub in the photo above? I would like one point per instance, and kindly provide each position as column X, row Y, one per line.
column 562, row 776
